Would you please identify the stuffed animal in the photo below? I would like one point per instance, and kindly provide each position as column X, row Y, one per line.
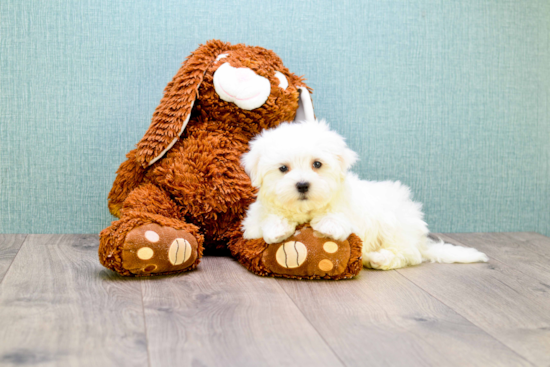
column 183, row 189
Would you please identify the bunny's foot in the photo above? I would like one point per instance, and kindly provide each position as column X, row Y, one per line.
column 143, row 244
column 152, row 249
column 306, row 254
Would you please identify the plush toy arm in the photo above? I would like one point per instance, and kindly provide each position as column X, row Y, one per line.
column 129, row 176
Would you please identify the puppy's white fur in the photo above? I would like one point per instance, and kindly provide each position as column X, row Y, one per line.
column 337, row 203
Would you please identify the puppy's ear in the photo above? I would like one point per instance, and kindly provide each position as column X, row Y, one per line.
column 347, row 158
column 250, row 161
column 173, row 112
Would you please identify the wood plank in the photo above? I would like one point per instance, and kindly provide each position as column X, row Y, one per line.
column 59, row 307
column 9, row 246
column 537, row 242
column 526, row 252
column 381, row 318
column 504, row 302
column 223, row 315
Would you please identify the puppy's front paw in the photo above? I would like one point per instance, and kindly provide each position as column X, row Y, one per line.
column 276, row 229
column 252, row 232
column 333, row 226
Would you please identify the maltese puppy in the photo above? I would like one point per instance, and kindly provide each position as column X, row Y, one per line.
column 301, row 170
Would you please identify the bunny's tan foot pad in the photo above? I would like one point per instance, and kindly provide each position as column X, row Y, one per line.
column 152, row 250
column 308, row 254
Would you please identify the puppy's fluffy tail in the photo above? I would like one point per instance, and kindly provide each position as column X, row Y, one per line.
column 438, row 251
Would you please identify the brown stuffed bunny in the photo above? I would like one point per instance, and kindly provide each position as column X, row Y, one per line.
column 183, row 189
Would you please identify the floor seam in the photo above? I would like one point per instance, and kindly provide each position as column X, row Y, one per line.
column 145, row 322
column 511, row 265
column 13, row 260
column 310, row 323
column 467, row 319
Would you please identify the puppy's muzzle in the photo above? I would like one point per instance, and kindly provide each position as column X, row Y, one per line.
column 302, row 187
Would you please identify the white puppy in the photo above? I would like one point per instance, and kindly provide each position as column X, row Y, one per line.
column 301, row 170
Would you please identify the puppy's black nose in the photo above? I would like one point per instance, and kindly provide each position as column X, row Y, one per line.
column 302, row 187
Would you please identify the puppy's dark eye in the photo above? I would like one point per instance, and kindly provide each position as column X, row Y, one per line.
column 283, row 168
column 317, row 164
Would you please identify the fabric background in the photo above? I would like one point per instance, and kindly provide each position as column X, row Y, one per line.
column 450, row 97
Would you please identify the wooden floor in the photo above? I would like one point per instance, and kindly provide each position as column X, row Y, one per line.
column 59, row 307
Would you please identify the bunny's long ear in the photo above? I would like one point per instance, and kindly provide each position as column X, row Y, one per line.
column 305, row 106
column 173, row 112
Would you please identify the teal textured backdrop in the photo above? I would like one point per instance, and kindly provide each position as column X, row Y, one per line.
column 450, row 97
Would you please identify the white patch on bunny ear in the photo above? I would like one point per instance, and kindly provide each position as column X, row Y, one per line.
column 283, row 82
column 161, row 154
column 221, row 56
column 305, row 106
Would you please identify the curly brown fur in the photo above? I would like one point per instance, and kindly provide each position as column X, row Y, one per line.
column 129, row 175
